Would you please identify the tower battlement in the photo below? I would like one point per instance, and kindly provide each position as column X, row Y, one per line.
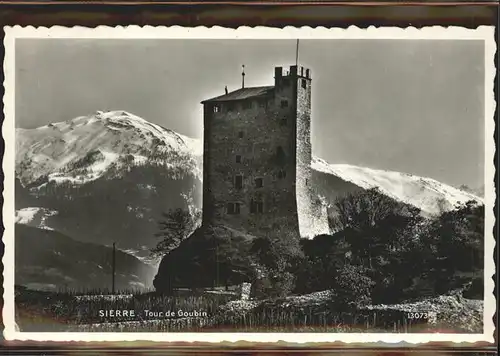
column 292, row 71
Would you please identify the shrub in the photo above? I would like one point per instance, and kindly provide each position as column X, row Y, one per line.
column 279, row 255
column 352, row 288
column 275, row 285
column 324, row 256
column 454, row 245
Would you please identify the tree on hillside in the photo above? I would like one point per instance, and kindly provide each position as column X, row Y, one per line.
column 374, row 224
column 455, row 241
column 324, row 257
column 381, row 234
column 175, row 226
column 460, row 234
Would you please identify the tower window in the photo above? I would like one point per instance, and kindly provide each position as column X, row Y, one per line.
column 304, row 83
column 238, row 182
column 281, row 174
column 216, row 108
column 256, row 207
column 238, row 159
column 233, row 208
column 259, row 183
column 240, row 134
column 284, row 103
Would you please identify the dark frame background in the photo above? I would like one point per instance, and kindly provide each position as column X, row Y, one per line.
column 249, row 13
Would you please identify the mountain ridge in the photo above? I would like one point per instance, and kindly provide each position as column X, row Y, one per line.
column 99, row 143
column 425, row 193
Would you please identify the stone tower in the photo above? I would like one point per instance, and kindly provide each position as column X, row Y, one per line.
column 257, row 158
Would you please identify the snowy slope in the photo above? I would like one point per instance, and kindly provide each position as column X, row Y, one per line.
column 34, row 216
column 428, row 194
column 89, row 147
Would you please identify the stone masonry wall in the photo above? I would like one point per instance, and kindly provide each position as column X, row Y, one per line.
column 262, row 125
column 253, row 129
column 312, row 214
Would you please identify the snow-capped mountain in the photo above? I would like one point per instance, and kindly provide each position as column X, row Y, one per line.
column 101, row 145
column 109, row 176
column 427, row 194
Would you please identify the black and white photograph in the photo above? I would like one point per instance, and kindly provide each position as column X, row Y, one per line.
column 260, row 184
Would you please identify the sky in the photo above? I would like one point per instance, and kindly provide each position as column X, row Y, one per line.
column 415, row 106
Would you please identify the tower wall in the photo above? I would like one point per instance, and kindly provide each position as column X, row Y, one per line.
column 264, row 126
column 312, row 214
column 271, row 137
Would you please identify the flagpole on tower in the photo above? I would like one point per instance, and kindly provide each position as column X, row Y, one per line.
column 297, row 54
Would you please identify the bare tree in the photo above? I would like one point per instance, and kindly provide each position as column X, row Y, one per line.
column 175, row 226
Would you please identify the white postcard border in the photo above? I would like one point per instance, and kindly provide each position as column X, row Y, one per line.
column 485, row 33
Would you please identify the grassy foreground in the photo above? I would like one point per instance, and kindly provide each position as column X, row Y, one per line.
column 203, row 311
